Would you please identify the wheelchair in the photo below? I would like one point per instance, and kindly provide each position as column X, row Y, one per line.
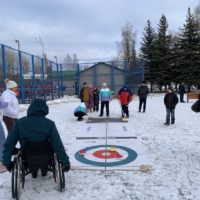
column 35, row 156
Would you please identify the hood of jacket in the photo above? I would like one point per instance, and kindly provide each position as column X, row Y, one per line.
column 38, row 108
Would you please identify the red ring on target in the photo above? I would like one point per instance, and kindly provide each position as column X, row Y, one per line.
column 106, row 154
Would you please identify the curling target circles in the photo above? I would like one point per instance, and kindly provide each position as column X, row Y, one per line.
column 101, row 156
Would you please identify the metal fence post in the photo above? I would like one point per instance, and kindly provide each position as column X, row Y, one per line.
column 33, row 76
column 43, row 78
column 78, row 80
column 51, row 81
column 58, row 80
column 61, row 80
column 94, row 75
column 112, row 78
column 21, row 77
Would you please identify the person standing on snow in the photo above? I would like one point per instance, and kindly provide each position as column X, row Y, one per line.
column 10, row 113
column 85, row 94
column 125, row 97
column 182, row 92
column 96, row 99
column 105, row 97
column 143, row 91
column 170, row 101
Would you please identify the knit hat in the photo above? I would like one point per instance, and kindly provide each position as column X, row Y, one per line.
column 104, row 84
column 10, row 84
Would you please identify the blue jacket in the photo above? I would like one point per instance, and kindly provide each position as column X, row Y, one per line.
column 105, row 94
column 80, row 108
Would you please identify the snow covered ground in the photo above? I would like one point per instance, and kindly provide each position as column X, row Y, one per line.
column 174, row 152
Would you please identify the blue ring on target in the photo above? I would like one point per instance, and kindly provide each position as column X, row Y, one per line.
column 132, row 155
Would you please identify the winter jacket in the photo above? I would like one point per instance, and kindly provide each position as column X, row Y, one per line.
column 105, row 94
column 3, row 105
column 80, row 108
column 170, row 100
column 85, row 94
column 196, row 106
column 96, row 96
column 125, row 96
column 35, row 128
column 12, row 110
column 181, row 89
column 143, row 91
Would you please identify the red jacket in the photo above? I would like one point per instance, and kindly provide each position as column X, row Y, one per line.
column 125, row 96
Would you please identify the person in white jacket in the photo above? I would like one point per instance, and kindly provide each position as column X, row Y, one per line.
column 2, row 133
column 10, row 113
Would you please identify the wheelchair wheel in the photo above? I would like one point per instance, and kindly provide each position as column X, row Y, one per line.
column 59, row 175
column 16, row 178
column 13, row 180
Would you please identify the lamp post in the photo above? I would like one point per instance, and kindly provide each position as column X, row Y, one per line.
column 40, row 42
column 18, row 44
column 56, row 59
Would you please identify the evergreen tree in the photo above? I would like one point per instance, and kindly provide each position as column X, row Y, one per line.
column 163, row 68
column 146, row 51
column 189, row 51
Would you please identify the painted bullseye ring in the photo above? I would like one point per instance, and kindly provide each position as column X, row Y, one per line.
column 105, row 154
column 132, row 155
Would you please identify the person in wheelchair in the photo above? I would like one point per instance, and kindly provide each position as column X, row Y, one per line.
column 38, row 138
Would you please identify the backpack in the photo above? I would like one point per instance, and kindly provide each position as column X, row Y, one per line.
column 196, row 106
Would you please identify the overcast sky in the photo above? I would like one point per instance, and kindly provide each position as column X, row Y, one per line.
column 89, row 28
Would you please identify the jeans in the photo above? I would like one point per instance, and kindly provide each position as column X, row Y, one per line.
column 2, row 140
column 170, row 112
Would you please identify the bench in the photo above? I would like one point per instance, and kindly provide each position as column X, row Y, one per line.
column 192, row 96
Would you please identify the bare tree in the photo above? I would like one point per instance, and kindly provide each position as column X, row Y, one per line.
column 70, row 63
column 126, row 48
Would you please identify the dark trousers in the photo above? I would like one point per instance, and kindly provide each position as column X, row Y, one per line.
column 79, row 115
column 103, row 103
column 9, row 122
column 181, row 97
column 125, row 110
column 142, row 102
column 96, row 107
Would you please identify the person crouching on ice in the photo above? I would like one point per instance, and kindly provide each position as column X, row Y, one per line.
column 80, row 111
column 125, row 97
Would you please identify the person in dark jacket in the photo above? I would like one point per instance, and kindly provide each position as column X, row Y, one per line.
column 182, row 92
column 33, row 128
column 96, row 99
column 125, row 97
column 143, row 91
column 170, row 101
column 196, row 106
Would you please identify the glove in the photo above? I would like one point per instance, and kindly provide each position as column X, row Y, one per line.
column 10, row 166
column 66, row 168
